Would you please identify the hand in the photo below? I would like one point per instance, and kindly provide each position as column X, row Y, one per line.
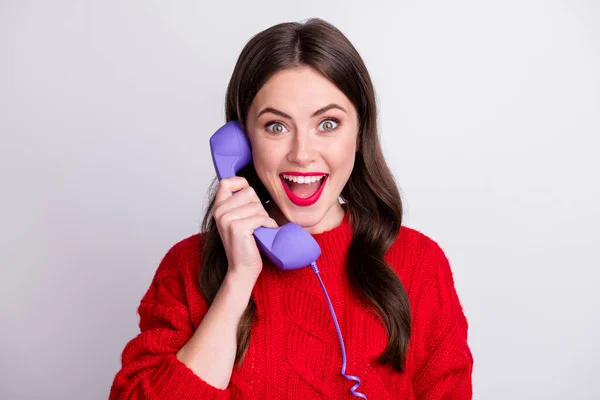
column 237, row 216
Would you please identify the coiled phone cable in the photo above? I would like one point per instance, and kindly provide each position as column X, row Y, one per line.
column 314, row 267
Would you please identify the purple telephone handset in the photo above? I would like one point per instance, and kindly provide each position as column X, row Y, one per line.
column 288, row 247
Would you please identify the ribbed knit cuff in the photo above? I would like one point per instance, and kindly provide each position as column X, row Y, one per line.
column 175, row 381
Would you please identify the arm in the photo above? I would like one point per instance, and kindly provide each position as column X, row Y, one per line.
column 210, row 353
column 446, row 369
column 168, row 360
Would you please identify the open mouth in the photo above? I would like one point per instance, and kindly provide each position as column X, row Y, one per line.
column 303, row 190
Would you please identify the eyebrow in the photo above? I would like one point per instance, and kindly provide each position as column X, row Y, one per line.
column 318, row 112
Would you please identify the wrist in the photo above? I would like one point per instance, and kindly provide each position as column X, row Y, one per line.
column 235, row 291
column 241, row 277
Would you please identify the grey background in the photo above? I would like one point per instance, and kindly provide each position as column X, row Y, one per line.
column 489, row 114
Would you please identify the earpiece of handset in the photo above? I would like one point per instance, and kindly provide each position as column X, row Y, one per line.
column 288, row 247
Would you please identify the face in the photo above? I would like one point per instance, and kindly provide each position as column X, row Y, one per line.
column 301, row 123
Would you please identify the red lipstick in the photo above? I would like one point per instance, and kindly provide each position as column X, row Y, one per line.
column 309, row 200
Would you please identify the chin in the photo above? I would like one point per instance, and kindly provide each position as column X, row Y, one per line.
column 306, row 221
column 306, row 217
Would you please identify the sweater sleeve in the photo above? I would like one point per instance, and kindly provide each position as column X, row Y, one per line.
column 446, row 368
column 150, row 369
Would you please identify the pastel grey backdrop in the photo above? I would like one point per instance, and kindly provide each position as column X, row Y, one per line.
column 489, row 116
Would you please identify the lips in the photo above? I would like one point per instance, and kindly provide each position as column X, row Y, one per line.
column 303, row 202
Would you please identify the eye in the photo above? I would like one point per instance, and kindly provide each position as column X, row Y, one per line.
column 278, row 127
column 328, row 124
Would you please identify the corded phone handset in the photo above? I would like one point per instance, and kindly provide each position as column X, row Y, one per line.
column 288, row 247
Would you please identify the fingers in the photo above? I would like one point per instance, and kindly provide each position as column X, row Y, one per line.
column 226, row 214
column 243, row 197
column 242, row 212
column 245, row 220
column 228, row 186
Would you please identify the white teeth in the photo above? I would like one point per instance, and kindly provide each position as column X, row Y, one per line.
column 303, row 179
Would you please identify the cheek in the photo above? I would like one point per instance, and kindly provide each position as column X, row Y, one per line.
column 266, row 162
column 342, row 159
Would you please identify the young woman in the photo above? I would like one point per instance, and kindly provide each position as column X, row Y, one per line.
column 219, row 321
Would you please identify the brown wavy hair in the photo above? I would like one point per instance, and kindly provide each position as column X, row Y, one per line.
column 371, row 194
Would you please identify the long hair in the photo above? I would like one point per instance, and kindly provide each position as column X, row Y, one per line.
column 371, row 193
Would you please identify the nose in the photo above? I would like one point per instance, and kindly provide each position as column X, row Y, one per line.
column 302, row 151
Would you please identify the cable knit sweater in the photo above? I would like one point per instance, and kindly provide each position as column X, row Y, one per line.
column 294, row 351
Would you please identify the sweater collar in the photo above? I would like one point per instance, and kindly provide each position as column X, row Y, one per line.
column 334, row 245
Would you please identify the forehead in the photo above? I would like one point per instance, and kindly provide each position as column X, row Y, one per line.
column 297, row 89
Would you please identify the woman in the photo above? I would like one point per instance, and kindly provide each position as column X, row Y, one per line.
column 219, row 321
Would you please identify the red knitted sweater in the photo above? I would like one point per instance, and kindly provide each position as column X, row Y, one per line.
column 294, row 351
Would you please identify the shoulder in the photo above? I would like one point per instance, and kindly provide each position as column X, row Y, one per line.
column 181, row 257
column 188, row 247
column 175, row 277
column 417, row 258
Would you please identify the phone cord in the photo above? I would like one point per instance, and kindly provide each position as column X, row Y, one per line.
column 314, row 267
